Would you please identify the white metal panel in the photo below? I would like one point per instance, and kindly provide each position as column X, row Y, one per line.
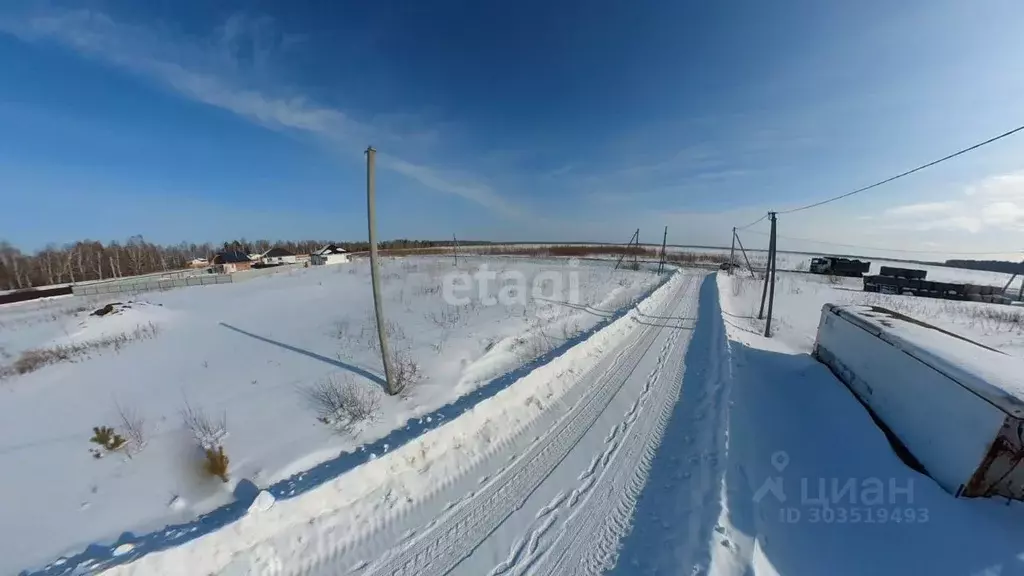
column 944, row 424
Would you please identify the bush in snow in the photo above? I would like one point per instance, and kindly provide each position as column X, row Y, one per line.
column 217, row 463
column 343, row 404
column 405, row 372
column 107, row 438
column 134, row 428
column 208, row 433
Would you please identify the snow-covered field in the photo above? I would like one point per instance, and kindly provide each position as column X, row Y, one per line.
column 809, row 484
column 799, row 298
column 248, row 355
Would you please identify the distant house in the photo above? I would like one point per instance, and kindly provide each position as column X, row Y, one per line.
column 198, row 263
column 276, row 256
column 228, row 262
column 329, row 254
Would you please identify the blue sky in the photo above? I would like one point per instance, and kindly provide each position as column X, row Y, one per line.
column 511, row 121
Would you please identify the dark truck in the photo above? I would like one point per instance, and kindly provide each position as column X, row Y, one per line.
column 834, row 266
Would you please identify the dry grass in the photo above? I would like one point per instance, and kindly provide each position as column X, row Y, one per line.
column 36, row 358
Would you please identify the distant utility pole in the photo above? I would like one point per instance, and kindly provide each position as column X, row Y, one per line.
column 455, row 250
column 636, row 266
column 732, row 251
column 371, row 218
column 625, row 251
column 661, row 263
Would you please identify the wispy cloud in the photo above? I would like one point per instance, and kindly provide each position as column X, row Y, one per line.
column 995, row 203
column 924, row 208
column 210, row 71
column 458, row 184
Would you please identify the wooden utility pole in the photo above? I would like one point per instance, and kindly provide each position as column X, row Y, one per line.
column 771, row 290
column 635, row 236
column 455, row 250
column 767, row 273
column 664, row 239
column 732, row 251
column 371, row 218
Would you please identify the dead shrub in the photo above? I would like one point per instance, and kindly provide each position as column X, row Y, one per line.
column 406, row 372
column 134, row 428
column 217, row 463
column 208, row 433
column 343, row 404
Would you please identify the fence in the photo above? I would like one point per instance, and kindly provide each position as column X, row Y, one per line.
column 169, row 280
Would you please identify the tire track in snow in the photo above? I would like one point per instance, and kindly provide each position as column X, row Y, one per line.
column 447, row 543
column 675, row 528
column 326, row 555
column 589, row 538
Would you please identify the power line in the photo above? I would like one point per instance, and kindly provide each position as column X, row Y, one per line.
column 907, row 173
column 752, row 223
column 942, row 252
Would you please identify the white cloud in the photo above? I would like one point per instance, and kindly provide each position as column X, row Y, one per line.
column 995, row 204
column 923, row 208
column 458, row 184
column 209, row 71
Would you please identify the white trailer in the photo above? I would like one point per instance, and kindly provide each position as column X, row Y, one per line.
column 955, row 405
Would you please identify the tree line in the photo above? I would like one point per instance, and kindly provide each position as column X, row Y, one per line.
column 989, row 265
column 93, row 260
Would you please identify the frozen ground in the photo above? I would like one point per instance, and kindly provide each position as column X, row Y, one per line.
column 770, row 466
column 247, row 354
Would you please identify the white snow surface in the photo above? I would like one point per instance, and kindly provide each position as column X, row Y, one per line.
column 799, row 298
column 248, row 352
column 807, row 483
column 538, row 478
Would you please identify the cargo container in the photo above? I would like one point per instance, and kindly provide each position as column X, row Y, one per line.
column 953, row 407
column 839, row 266
column 902, row 272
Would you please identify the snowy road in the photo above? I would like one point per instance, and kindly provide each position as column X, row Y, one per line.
column 557, row 499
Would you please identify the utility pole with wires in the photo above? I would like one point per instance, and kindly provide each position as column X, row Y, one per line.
column 743, row 251
column 661, row 262
column 635, row 237
column 732, row 251
column 771, row 291
column 636, row 251
column 767, row 268
column 371, row 218
column 455, row 250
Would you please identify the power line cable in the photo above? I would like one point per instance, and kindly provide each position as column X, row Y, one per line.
column 942, row 252
column 752, row 223
column 907, row 173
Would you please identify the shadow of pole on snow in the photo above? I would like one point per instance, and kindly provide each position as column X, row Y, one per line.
column 376, row 378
